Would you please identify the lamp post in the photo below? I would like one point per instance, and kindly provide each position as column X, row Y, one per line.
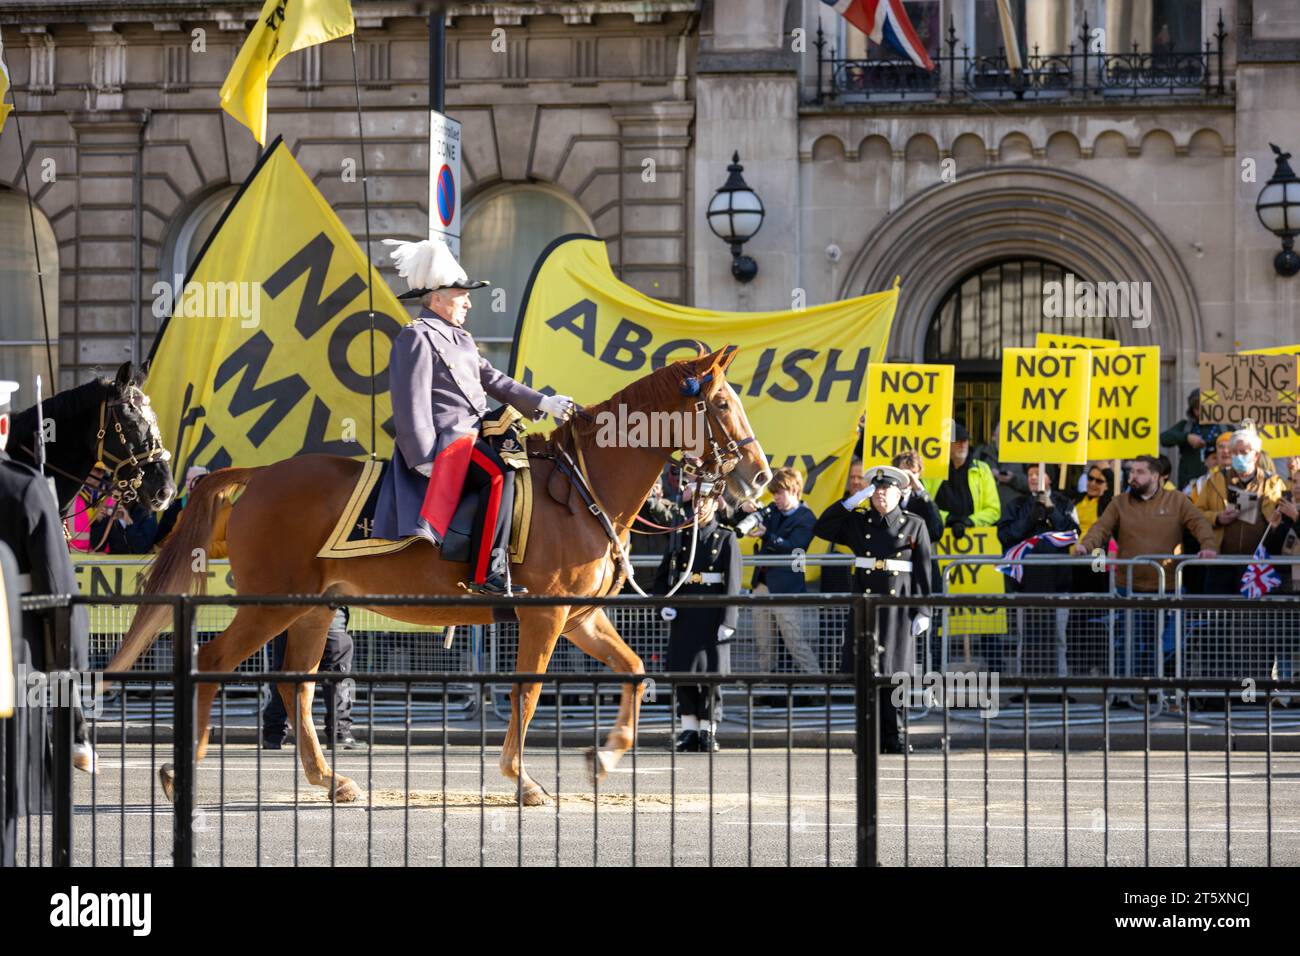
column 735, row 214
column 1278, row 208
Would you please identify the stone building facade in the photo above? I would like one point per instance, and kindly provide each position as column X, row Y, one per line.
column 1126, row 157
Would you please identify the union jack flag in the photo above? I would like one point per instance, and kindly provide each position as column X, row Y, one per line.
column 1259, row 579
column 1059, row 539
column 886, row 23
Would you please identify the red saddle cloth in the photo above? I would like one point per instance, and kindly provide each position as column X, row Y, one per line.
column 446, row 483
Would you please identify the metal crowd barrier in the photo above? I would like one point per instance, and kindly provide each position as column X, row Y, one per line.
column 1258, row 641
column 1059, row 642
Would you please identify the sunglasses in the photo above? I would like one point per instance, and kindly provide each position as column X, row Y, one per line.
column 1097, row 478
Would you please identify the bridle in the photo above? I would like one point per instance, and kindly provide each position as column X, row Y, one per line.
column 127, row 474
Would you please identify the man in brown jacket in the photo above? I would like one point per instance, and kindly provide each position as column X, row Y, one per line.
column 1147, row 519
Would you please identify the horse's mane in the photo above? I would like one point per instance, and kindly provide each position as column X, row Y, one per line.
column 661, row 390
column 71, row 402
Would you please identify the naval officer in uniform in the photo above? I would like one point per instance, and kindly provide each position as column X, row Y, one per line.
column 892, row 549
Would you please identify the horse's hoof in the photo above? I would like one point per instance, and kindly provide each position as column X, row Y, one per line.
column 599, row 764
column 534, row 796
column 346, row 790
column 167, row 778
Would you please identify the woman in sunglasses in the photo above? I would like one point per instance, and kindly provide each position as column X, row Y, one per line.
column 1089, row 505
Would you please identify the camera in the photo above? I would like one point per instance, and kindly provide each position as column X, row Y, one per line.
column 747, row 523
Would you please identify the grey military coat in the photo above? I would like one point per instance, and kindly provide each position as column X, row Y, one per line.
column 440, row 387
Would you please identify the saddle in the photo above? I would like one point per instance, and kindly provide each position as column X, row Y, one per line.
column 503, row 429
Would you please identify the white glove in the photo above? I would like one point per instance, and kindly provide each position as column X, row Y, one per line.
column 725, row 633
column 852, row 501
column 425, row 469
column 920, row 624
column 557, row 406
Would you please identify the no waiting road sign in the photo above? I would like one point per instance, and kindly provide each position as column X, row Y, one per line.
column 444, row 180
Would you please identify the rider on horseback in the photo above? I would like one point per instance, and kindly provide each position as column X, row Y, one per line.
column 440, row 385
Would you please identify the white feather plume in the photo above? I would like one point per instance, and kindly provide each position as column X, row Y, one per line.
column 427, row 264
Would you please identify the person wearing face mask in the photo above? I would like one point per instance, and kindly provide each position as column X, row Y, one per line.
column 1147, row 519
column 968, row 497
column 1238, row 503
column 892, row 550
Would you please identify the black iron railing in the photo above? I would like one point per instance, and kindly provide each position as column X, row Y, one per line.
column 1083, row 71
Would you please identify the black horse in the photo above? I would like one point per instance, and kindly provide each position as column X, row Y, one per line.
column 100, row 422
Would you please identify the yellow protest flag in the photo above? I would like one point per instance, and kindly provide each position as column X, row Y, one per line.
column 801, row 374
column 909, row 408
column 1124, row 405
column 5, row 108
column 265, row 353
column 1045, row 394
column 282, row 27
column 1280, row 441
column 1049, row 340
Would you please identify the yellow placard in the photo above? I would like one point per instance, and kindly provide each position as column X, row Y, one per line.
column 1045, row 394
column 1124, row 407
column 1280, row 441
column 1048, row 340
column 909, row 408
column 972, row 579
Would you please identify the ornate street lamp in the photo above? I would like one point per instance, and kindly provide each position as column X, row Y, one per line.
column 1278, row 208
column 735, row 215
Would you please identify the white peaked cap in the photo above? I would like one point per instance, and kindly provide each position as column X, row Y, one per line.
column 428, row 265
column 7, row 389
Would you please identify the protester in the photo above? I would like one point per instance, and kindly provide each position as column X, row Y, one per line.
column 1147, row 519
column 1166, row 469
column 1238, row 503
column 1092, row 501
column 1210, row 454
column 699, row 638
column 336, row 658
column 125, row 529
column 968, row 497
column 916, row 500
column 1011, row 478
column 1189, row 436
column 786, row 528
column 1283, row 537
column 1036, row 526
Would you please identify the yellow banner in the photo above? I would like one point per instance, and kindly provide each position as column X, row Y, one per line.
column 282, row 27
column 909, row 408
column 1046, row 340
column 972, row 579
column 4, row 88
column 801, row 374
column 266, row 354
column 1124, row 409
column 1045, row 395
column 104, row 575
column 1280, row 441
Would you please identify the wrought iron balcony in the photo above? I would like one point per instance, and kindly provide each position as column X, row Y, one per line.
column 1079, row 73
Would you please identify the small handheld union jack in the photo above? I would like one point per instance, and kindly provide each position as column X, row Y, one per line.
column 1259, row 579
column 1058, row 539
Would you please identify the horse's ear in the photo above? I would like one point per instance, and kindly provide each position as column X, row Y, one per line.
column 125, row 374
column 724, row 357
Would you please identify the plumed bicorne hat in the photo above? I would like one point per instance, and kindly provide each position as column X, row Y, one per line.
column 428, row 266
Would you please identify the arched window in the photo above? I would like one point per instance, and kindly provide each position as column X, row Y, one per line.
column 504, row 232
column 22, row 329
column 190, row 231
column 1000, row 305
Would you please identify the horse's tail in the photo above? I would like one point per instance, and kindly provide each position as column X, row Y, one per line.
column 175, row 569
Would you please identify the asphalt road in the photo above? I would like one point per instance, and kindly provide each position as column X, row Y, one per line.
column 697, row 816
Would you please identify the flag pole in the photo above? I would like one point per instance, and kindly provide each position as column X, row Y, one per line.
column 365, row 201
column 36, row 248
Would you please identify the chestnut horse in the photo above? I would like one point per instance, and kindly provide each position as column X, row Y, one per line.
column 286, row 511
